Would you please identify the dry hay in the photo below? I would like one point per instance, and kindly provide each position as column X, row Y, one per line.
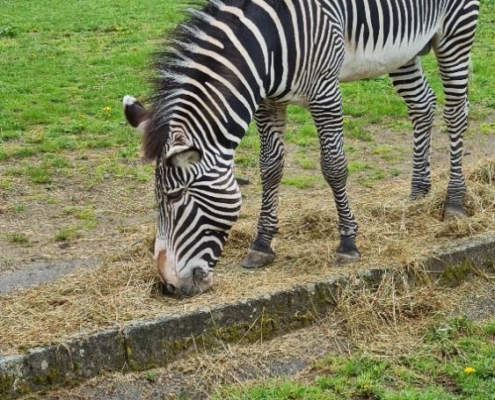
column 390, row 323
column 392, row 320
column 394, row 231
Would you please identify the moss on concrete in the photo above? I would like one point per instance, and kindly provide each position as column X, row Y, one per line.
column 50, row 377
column 456, row 274
column 6, row 383
column 7, row 390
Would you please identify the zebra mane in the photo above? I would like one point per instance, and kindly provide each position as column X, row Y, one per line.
column 170, row 65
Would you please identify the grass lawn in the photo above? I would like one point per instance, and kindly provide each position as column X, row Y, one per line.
column 63, row 72
column 65, row 68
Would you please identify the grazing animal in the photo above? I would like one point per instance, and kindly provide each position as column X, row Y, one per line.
column 239, row 59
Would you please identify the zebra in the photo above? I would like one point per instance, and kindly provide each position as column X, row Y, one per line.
column 233, row 61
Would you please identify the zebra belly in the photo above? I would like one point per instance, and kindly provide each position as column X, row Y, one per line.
column 363, row 64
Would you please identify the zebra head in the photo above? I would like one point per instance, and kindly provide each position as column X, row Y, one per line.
column 198, row 201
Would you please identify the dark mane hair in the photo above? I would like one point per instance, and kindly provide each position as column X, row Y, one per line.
column 167, row 66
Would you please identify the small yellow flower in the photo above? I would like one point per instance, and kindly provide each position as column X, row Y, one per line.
column 107, row 109
column 469, row 370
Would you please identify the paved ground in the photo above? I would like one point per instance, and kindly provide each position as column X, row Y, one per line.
column 38, row 272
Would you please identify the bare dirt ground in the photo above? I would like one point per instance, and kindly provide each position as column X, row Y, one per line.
column 120, row 210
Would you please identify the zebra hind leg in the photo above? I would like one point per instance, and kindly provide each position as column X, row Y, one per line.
column 455, row 115
column 270, row 119
column 453, row 55
column 411, row 84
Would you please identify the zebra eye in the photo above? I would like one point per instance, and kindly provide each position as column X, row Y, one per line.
column 172, row 197
column 217, row 234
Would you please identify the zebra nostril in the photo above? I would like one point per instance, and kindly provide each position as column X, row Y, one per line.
column 170, row 288
column 199, row 274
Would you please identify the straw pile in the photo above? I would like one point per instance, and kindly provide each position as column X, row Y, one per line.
column 390, row 323
column 393, row 231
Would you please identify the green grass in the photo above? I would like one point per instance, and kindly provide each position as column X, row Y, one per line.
column 388, row 153
column 358, row 166
column 307, row 163
column 302, row 181
column 455, row 360
column 87, row 213
column 68, row 233
column 17, row 238
column 65, row 67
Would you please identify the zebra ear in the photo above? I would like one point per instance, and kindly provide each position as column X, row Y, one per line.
column 182, row 156
column 137, row 116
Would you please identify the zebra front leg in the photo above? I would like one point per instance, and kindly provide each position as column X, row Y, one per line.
column 270, row 119
column 411, row 84
column 328, row 117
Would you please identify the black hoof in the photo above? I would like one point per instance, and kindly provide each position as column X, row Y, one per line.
column 452, row 211
column 347, row 258
column 257, row 259
column 347, row 252
column 418, row 195
column 420, row 192
column 242, row 181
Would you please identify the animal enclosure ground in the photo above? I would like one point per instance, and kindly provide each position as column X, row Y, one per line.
column 435, row 343
column 72, row 184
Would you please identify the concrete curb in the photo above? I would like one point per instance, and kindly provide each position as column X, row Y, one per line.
column 149, row 344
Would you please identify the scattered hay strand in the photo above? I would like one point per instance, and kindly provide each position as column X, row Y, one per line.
column 393, row 231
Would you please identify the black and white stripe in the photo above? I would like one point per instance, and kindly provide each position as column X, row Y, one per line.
column 239, row 59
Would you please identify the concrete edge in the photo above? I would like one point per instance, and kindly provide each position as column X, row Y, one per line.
column 148, row 344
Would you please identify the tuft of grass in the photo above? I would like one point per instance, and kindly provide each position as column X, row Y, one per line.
column 378, row 174
column 394, row 172
column 358, row 166
column 39, row 175
column 84, row 213
column 67, row 233
column 6, row 184
column 150, row 376
column 19, row 208
column 307, row 163
column 246, row 159
column 355, row 129
column 298, row 115
column 18, row 238
column 7, row 32
column 388, row 153
column 302, row 181
column 304, row 136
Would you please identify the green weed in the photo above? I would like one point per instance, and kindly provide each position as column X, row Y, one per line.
column 307, row 163
column 354, row 129
column 302, row 181
column 80, row 212
column 358, row 166
column 68, row 233
column 39, row 175
column 6, row 184
column 17, row 238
